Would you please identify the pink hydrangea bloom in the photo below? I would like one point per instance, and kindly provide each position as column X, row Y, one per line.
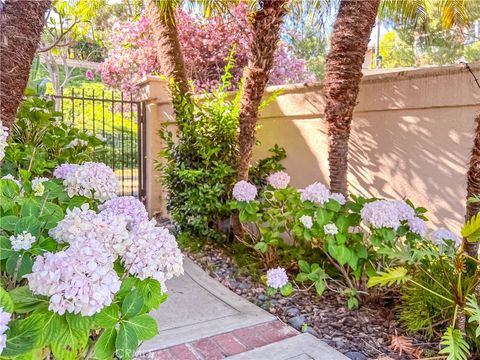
column 386, row 213
column 80, row 279
column 244, row 191
column 277, row 278
column 63, row 170
column 279, row 180
column 130, row 207
column 5, row 318
column 316, row 193
column 89, row 75
column 154, row 253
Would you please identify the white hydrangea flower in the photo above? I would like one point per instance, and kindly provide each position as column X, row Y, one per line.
column 130, row 207
column 92, row 180
column 386, row 213
column 154, row 253
column 279, row 180
column 5, row 318
column 417, row 226
column 330, row 229
column 307, row 221
column 37, row 185
column 80, row 279
column 22, row 241
column 277, row 278
column 75, row 143
column 82, row 224
column 244, row 191
column 340, row 198
column 439, row 236
column 3, row 140
column 316, row 193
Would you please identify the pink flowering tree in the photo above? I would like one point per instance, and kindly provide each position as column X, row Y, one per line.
column 206, row 45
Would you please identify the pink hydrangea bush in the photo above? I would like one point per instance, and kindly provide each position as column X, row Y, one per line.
column 86, row 260
column 205, row 44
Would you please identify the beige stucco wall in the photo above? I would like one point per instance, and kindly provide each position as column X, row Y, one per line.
column 411, row 136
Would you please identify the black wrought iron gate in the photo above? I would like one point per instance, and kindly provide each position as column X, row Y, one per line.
column 120, row 122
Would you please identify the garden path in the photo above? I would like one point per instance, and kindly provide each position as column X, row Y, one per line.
column 203, row 320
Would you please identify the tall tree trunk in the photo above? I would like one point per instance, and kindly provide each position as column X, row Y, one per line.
column 21, row 24
column 473, row 185
column 343, row 72
column 169, row 53
column 265, row 29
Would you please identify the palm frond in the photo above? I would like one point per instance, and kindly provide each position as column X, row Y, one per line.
column 405, row 12
column 456, row 12
column 456, row 348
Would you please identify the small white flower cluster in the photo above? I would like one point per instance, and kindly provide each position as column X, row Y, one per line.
column 439, row 236
column 81, row 224
column 63, row 170
column 128, row 206
column 279, row 180
column 389, row 214
column 277, row 278
column 3, row 140
column 37, row 185
column 154, row 253
column 80, row 279
column 22, row 241
column 244, row 191
column 330, row 229
column 92, row 180
column 75, row 143
column 5, row 318
column 316, row 193
column 307, row 221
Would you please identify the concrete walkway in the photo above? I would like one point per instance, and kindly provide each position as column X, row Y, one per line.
column 203, row 320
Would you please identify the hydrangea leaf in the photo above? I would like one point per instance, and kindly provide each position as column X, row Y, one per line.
column 152, row 293
column 108, row 317
column 24, row 301
column 53, row 326
column 30, row 207
column 397, row 275
column 21, row 338
column 6, row 301
column 133, row 304
column 126, row 342
column 29, row 224
column 9, row 188
column 5, row 248
column 105, row 346
column 8, row 223
column 286, row 290
column 19, row 265
column 145, row 326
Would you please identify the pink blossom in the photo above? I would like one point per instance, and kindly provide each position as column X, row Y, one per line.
column 279, row 180
column 244, row 191
column 89, row 75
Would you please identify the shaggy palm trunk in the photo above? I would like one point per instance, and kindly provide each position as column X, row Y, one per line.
column 169, row 53
column 473, row 185
column 21, row 24
column 343, row 72
column 265, row 30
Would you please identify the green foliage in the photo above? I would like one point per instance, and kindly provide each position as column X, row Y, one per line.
column 456, row 348
column 39, row 140
column 471, row 229
column 199, row 163
column 395, row 52
column 393, row 276
column 472, row 52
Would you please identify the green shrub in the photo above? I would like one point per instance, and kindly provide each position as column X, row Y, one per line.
column 199, row 162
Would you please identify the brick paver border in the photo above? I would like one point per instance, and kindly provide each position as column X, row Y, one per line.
column 227, row 344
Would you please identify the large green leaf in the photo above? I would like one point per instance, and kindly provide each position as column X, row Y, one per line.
column 70, row 343
column 51, row 215
column 455, row 346
column 9, row 188
column 29, row 224
column 151, row 292
column 471, row 229
column 397, row 275
column 30, row 207
column 8, row 223
column 54, row 326
column 126, row 342
column 19, row 264
column 5, row 248
column 145, row 326
column 24, row 301
column 105, row 346
column 108, row 317
column 133, row 304
column 21, row 338
column 6, row 302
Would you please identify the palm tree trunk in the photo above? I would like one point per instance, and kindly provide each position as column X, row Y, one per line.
column 473, row 185
column 169, row 53
column 343, row 72
column 265, row 30
column 21, row 24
